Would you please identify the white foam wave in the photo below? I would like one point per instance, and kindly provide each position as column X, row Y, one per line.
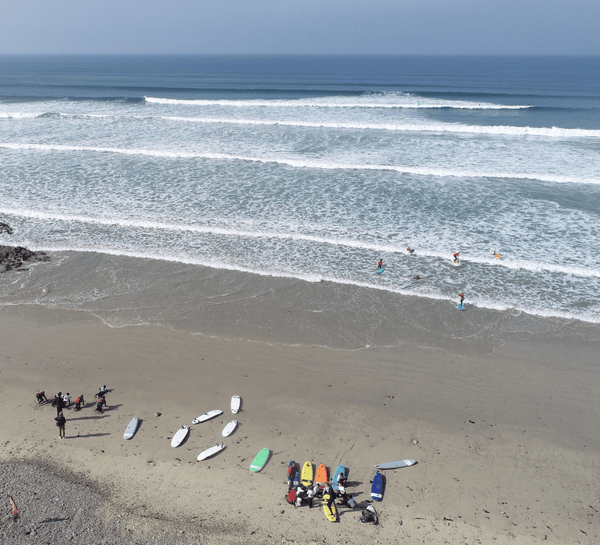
column 18, row 115
column 504, row 130
column 314, row 278
column 427, row 127
column 307, row 163
column 514, row 264
column 388, row 100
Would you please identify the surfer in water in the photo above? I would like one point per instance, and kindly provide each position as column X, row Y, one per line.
column 410, row 250
column 380, row 264
column 462, row 299
column 455, row 256
column 417, row 277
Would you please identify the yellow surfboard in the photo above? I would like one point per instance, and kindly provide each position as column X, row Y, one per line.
column 307, row 474
column 330, row 512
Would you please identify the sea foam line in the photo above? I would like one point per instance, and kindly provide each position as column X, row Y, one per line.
column 315, row 278
column 372, row 101
column 451, row 128
column 296, row 163
column 513, row 264
column 504, row 130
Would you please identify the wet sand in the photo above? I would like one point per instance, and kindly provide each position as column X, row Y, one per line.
column 506, row 442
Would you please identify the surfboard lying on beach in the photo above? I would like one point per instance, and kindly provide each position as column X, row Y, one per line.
column 210, row 452
column 321, row 476
column 330, row 511
column 339, row 470
column 207, row 416
column 235, row 404
column 180, row 436
column 307, row 474
column 260, row 460
column 229, row 429
column 396, row 465
column 377, row 487
column 131, row 428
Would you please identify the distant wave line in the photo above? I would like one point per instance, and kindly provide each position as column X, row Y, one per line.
column 314, row 278
column 412, row 102
column 502, row 130
column 296, row 163
column 514, row 264
column 405, row 127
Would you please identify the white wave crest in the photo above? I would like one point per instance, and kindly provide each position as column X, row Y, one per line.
column 308, row 163
column 18, row 115
column 505, row 130
column 514, row 264
column 386, row 100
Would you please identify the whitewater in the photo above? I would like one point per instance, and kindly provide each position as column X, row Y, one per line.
column 312, row 178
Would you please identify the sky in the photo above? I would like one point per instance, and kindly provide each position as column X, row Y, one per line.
column 397, row 27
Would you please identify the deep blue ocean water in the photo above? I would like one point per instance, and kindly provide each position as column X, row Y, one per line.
column 314, row 168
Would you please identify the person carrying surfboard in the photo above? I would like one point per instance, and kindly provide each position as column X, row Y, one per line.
column 455, row 256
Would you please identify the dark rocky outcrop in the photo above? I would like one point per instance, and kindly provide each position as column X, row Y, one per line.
column 15, row 257
column 5, row 228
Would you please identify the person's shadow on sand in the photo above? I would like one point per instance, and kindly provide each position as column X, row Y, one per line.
column 87, row 435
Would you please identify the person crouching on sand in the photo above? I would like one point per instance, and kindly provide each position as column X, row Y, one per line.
column 41, row 396
column 79, row 402
column 61, row 422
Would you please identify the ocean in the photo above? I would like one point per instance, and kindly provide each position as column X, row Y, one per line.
column 253, row 196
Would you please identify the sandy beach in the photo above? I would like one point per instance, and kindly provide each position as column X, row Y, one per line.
column 506, row 443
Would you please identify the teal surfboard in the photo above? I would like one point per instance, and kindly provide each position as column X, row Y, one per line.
column 380, row 271
column 260, row 460
column 460, row 307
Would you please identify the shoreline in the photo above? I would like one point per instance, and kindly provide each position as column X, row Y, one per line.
column 123, row 291
column 495, row 432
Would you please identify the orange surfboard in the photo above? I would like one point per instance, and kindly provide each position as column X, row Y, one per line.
column 321, row 477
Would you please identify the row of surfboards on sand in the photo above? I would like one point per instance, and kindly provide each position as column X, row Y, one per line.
column 308, row 476
column 183, row 432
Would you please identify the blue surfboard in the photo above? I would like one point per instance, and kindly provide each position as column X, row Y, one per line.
column 339, row 470
column 296, row 480
column 377, row 487
column 460, row 307
column 292, row 473
column 380, row 271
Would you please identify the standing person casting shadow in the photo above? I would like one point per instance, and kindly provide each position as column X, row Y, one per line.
column 61, row 422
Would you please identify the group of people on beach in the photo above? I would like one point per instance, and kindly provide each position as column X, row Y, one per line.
column 61, row 402
column 298, row 494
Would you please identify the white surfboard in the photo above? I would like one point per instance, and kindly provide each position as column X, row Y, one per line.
column 207, row 416
column 235, row 404
column 131, row 428
column 229, row 429
column 396, row 465
column 211, row 451
column 180, row 436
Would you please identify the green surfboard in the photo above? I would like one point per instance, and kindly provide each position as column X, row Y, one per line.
column 260, row 460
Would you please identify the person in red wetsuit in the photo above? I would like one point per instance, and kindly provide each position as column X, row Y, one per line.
column 455, row 256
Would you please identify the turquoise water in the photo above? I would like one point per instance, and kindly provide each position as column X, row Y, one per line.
column 312, row 169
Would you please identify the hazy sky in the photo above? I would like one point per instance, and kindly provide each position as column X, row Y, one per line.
column 303, row 26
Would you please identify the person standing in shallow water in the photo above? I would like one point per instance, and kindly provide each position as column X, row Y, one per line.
column 61, row 422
